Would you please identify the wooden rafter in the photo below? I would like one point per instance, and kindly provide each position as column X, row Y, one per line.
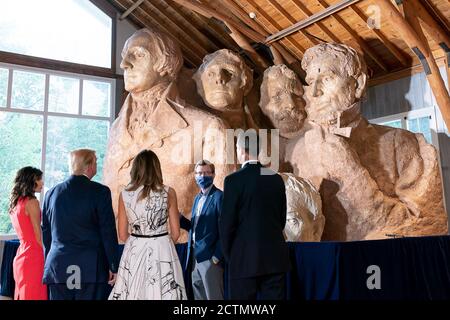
column 274, row 24
column 387, row 43
column 131, row 9
column 194, row 41
column 249, row 50
column 300, row 6
column 215, row 30
column 211, row 13
column 243, row 16
column 435, row 12
column 330, row 10
column 433, row 28
column 146, row 20
column 364, row 46
column 411, row 32
column 193, row 27
column 292, row 20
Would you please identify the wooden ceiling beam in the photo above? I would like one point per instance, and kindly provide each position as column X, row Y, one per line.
column 274, row 24
column 411, row 32
column 291, row 19
column 300, row 6
column 193, row 41
column 387, row 43
column 433, row 28
column 435, row 12
column 243, row 16
column 211, row 13
column 179, row 13
column 364, row 46
column 149, row 21
column 329, row 10
column 246, row 46
column 131, row 9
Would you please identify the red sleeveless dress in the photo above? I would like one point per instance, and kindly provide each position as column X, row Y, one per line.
column 28, row 266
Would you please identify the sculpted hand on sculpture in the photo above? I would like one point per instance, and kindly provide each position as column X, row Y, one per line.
column 223, row 80
column 374, row 180
column 154, row 117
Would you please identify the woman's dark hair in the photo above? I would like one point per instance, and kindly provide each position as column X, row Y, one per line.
column 146, row 171
column 24, row 185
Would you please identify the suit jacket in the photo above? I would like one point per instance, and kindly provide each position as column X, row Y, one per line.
column 207, row 242
column 252, row 222
column 79, row 230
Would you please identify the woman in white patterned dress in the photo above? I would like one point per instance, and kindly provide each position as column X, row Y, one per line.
column 149, row 268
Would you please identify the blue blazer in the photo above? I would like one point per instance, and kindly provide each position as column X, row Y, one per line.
column 79, row 229
column 207, row 243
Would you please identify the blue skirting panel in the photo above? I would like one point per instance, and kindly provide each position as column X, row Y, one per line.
column 407, row 268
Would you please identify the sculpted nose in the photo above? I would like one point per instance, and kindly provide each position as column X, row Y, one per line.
column 125, row 64
column 315, row 90
column 222, row 77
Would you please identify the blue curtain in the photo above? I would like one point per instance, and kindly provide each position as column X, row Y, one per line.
column 7, row 276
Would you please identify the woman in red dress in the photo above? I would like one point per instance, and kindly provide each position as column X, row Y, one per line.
column 25, row 214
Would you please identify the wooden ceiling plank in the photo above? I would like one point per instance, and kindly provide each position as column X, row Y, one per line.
column 152, row 21
column 193, row 26
column 330, row 10
column 387, row 43
column 139, row 23
column 292, row 20
column 274, row 24
column 411, row 32
column 322, row 27
column 175, row 25
column 364, row 46
column 240, row 13
column 211, row 13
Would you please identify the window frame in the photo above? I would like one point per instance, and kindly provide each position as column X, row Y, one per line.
column 63, row 66
column 414, row 114
column 45, row 113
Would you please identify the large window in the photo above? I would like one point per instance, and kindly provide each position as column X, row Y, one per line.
column 66, row 30
column 418, row 121
column 43, row 115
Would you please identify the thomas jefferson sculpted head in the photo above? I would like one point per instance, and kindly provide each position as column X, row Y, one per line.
column 223, row 80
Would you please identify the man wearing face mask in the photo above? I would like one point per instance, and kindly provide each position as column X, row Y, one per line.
column 204, row 249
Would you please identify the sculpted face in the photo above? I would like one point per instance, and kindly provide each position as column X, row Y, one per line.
column 286, row 108
column 137, row 63
column 328, row 91
column 222, row 84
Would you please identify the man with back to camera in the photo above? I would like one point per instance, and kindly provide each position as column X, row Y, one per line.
column 79, row 234
column 251, row 226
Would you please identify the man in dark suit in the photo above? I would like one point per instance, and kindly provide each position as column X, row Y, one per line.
column 79, row 234
column 204, row 248
column 251, row 227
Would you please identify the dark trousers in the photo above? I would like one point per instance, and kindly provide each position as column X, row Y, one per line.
column 266, row 287
column 88, row 291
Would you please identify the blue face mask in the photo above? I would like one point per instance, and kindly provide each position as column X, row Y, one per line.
column 204, row 181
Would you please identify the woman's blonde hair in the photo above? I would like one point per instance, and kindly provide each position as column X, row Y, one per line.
column 80, row 159
column 146, row 171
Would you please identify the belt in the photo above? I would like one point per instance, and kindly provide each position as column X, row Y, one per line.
column 152, row 236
